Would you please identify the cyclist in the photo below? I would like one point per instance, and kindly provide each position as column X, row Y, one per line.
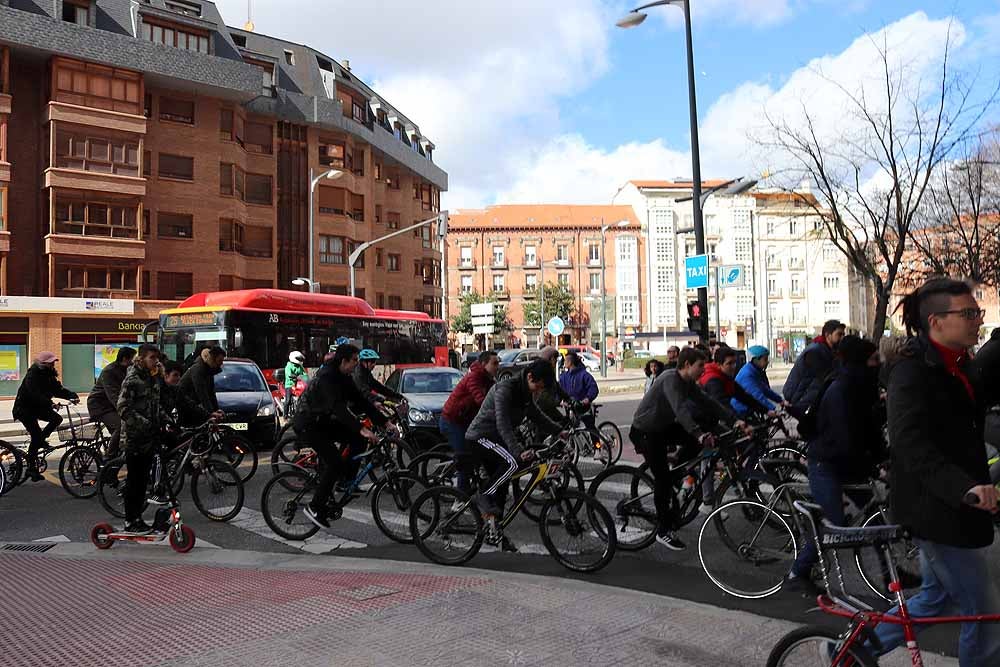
column 179, row 405
column 752, row 378
column 461, row 408
column 103, row 398
column 493, row 434
column 324, row 414
column 294, row 369
column 670, row 416
column 812, row 368
column 34, row 404
column 199, row 380
column 577, row 383
column 371, row 388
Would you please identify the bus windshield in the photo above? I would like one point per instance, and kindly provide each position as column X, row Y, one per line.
column 181, row 344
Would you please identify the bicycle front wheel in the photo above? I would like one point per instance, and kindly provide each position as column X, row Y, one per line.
column 757, row 550
column 446, row 526
column 611, row 439
column 217, row 490
column 283, row 504
column 240, row 453
column 815, row 645
column 627, row 494
column 392, row 500
column 79, row 469
column 578, row 531
column 13, row 461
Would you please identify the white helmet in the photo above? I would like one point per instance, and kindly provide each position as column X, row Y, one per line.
column 297, row 358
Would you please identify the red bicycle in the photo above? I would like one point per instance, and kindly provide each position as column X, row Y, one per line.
column 816, row 645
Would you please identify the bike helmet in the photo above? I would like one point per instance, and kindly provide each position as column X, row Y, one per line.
column 368, row 355
column 297, row 358
column 758, row 351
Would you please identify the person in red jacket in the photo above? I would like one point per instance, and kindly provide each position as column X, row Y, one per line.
column 463, row 406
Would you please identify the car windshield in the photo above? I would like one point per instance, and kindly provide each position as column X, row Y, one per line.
column 430, row 383
column 239, row 377
column 507, row 356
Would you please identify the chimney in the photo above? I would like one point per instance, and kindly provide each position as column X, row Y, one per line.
column 346, row 64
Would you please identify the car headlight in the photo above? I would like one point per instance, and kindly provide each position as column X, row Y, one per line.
column 420, row 416
column 266, row 410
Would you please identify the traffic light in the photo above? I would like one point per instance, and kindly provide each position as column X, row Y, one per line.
column 696, row 317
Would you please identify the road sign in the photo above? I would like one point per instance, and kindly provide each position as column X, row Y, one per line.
column 481, row 309
column 482, row 320
column 556, row 326
column 484, row 329
column 696, row 271
column 731, row 276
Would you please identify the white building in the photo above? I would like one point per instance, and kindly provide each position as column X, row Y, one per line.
column 795, row 278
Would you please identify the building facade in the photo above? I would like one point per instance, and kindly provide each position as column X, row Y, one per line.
column 508, row 251
column 148, row 152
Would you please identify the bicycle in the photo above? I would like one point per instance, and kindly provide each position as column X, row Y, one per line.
column 448, row 528
column 87, row 448
column 287, row 494
column 288, row 449
column 14, row 457
column 597, row 448
column 850, row 647
column 216, row 487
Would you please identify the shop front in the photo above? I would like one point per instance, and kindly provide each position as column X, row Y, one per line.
column 14, row 360
column 90, row 344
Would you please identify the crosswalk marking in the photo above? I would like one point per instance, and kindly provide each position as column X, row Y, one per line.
column 321, row 543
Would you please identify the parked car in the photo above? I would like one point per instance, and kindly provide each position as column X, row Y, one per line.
column 426, row 388
column 469, row 358
column 563, row 349
column 512, row 361
column 246, row 398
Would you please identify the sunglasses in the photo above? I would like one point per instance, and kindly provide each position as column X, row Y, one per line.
column 965, row 313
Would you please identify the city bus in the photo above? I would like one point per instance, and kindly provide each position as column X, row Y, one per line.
column 266, row 325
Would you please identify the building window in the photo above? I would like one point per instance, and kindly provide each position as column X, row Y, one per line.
column 147, row 285
column 793, row 227
column 97, row 154
column 176, row 166
column 425, row 236
column 147, row 105
column 99, row 281
column 378, row 213
column 259, row 137
column 831, row 308
column 75, row 13
column 351, row 247
column 266, row 75
column 172, row 36
column 146, row 227
column 333, row 154
column 498, row 282
column 595, row 283
column 796, row 285
column 91, row 218
column 563, row 279
column 394, row 263
column 466, row 284
column 97, row 86
column 147, row 164
column 395, row 302
column 498, row 255
column 247, row 240
column 290, row 58
column 771, row 224
column 174, row 286
column 829, row 252
column 331, row 250
column 379, row 300
column 465, row 256
column 177, row 111
column 530, row 282
column 797, row 312
column 258, row 189
column 184, row 7
column 562, row 254
column 594, row 253
column 392, row 220
column 378, row 257
column 174, row 225
column 831, row 281
column 530, row 256
column 772, row 286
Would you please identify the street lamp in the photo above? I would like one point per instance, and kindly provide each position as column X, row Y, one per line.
column 441, row 219
column 313, row 182
column 604, row 296
column 302, row 281
column 630, row 20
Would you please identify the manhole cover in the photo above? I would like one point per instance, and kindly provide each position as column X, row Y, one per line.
column 37, row 548
column 367, row 592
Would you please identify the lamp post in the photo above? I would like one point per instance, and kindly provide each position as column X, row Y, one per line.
column 442, row 223
column 301, row 281
column 630, row 20
column 313, row 182
column 604, row 296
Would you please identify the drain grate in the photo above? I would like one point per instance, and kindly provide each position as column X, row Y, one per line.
column 36, row 548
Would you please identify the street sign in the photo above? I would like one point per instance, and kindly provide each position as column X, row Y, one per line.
column 484, row 329
column 556, row 326
column 696, row 271
column 482, row 318
column 481, row 309
column 731, row 276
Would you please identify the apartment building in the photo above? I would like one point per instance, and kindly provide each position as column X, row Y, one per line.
column 507, row 251
column 149, row 151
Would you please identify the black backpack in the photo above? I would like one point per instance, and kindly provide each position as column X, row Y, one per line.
column 809, row 420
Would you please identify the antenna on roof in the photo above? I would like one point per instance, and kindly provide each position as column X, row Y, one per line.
column 248, row 26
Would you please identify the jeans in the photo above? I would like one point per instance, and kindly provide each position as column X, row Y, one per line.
column 134, row 496
column 288, row 400
column 465, row 466
column 38, row 434
column 955, row 581
column 655, row 449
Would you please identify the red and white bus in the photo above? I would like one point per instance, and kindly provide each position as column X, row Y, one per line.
column 266, row 325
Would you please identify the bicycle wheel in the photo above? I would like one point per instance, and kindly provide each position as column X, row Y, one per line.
column 111, row 487
column 3, row 479
column 392, row 499
column 592, row 458
column 569, row 478
column 627, row 494
column 283, row 502
column 874, row 570
column 446, row 526
column 768, row 473
column 759, row 548
column 240, row 453
column 578, row 531
column 288, row 450
column 613, row 434
column 402, row 451
column 79, row 469
column 216, row 489
column 12, row 460
column 435, row 468
column 808, row 646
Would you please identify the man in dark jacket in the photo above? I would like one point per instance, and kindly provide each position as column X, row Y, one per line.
column 325, row 417
column 365, row 380
column 102, row 403
column 34, row 404
column 494, row 432
column 936, row 407
column 198, row 383
column 812, row 368
column 462, row 407
column 178, row 405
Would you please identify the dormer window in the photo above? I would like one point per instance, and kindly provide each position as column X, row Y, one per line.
column 184, row 7
column 239, row 40
column 289, row 58
column 175, row 36
column 77, row 12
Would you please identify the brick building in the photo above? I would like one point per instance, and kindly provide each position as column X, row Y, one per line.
column 507, row 251
column 148, row 151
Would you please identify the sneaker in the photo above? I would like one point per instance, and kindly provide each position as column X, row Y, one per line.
column 670, row 540
column 507, row 545
column 317, row 518
column 492, row 536
column 34, row 475
column 802, row 585
column 158, row 499
column 138, row 527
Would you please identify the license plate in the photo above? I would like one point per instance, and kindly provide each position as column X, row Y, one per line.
column 239, row 427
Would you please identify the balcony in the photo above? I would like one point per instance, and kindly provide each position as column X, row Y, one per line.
column 93, row 117
column 775, row 293
column 796, row 263
column 56, row 177
column 591, row 261
column 498, row 263
column 466, row 264
column 563, row 263
column 501, row 295
column 129, row 249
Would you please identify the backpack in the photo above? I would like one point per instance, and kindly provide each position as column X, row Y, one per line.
column 809, row 421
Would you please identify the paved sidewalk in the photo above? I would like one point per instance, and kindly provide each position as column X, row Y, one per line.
column 139, row 605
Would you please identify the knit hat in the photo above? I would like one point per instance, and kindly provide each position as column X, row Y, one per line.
column 757, row 351
column 46, row 358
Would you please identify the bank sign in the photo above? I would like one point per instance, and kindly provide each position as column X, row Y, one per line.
column 31, row 304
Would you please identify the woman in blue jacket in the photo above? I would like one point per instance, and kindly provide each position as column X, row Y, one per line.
column 753, row 378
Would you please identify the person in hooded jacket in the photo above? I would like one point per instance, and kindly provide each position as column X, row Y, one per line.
column 462, row 407
column 34, row 404
column 812, row 368
column 847, row 447
column 718, row 381
column 752, row 378
column 198, row 383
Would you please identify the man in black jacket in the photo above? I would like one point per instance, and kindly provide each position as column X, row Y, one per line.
column 103, row 399
column 325, row 415
column 936, row 406
column 812, row 368
column 34, row 404
column 198, row 383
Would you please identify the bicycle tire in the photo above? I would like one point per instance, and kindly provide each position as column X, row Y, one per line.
column 869, row 566
column 782, row 653
column 79, row 470
column 392, row 500
column 532, row 506
column 3, row 479
column 435, row 468
column 622, row 490
column 13, row 460
column 238, row 449
column 611, row 430
column 217, row 490
column 571, row 508
column 111, row 485
column 402, row 451
column 764, row 544
column 588, row 459
column 436, row 506
column 283, row 500
column 287, row 450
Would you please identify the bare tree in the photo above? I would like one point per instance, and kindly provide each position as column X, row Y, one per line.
column 871, row 174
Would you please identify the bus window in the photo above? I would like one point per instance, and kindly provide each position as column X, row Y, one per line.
column 319, row 345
